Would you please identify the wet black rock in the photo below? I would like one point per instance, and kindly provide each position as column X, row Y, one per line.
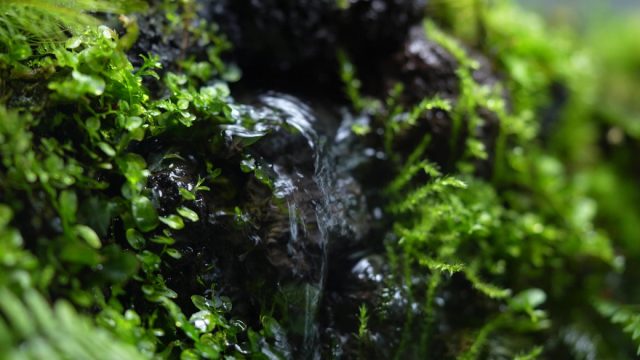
column 277, row 34
column 167, row 178
column 313, row 200
column 277, row 42
column 295, row 222
column 155, row 37
column 380, row 25
column 270, row 218
column 426, row 69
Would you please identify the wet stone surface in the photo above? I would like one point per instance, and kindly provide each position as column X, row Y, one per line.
column 426, row 69
column 273, row 247
column 294, row 223
column 276, row 42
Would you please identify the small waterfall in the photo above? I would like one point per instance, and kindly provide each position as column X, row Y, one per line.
column 304, row 226
column 312, row 203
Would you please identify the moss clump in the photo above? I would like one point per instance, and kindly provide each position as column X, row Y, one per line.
column 69, row 169
column 529, row 238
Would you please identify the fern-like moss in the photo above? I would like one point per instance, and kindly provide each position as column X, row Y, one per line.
column 35, row 330
column 42, row 21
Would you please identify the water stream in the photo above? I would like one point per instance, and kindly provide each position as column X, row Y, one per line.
column 298, row 149
column 300, row 117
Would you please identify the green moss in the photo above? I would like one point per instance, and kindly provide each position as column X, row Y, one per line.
column 108, row 110
column 535, row 224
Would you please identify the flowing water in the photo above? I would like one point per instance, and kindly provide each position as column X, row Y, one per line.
column 308, row 227
column 299, row 148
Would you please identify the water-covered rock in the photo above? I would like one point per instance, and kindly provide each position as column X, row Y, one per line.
column 294, row 221
column 270, row 216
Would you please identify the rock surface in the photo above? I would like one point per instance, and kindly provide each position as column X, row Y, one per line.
column 299, row 204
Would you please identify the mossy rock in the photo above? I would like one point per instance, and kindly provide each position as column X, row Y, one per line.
column 313, row 179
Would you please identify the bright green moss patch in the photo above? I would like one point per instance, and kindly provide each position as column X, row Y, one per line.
column 55, row 189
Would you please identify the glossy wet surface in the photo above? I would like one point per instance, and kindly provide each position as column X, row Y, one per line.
column 295, row 221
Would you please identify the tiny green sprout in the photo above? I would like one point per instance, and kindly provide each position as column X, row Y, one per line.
column 363, row 320
column 250, row 165
column 173, row 221
column 361, row 129
column 135, row 239
column 88, row 235
column 188, row 214
column 343, row 4
column 199, row 187
column 240, row 217
column 144, row 214
column 212, row 172
column 186, row 194
column 163, row 239
column 190, row 195
column 351, row 83
column 150, row 63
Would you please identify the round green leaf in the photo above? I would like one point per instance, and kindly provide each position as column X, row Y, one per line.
column 88, row 235
column 135, row 239
column 173, row 221
column 107, row 149
column 174, row 253
column 144, row 214
column 165, row 240
column 203, row 320
column 188, row 214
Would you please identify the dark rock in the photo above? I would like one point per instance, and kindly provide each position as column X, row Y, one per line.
column 156, row 37
column 268, row 243
column 426, row 70
column 277, row 42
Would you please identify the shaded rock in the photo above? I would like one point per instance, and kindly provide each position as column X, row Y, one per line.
column 266, row 241
column 277, row 42
column 426, row 70
column 156, row 37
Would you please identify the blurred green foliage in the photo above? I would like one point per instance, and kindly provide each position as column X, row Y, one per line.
column 559, row 218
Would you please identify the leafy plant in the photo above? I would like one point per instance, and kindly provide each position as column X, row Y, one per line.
column 106, row 111
column 447, row 224
column 41, row 21
column 623, row 316
column 34, row 329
